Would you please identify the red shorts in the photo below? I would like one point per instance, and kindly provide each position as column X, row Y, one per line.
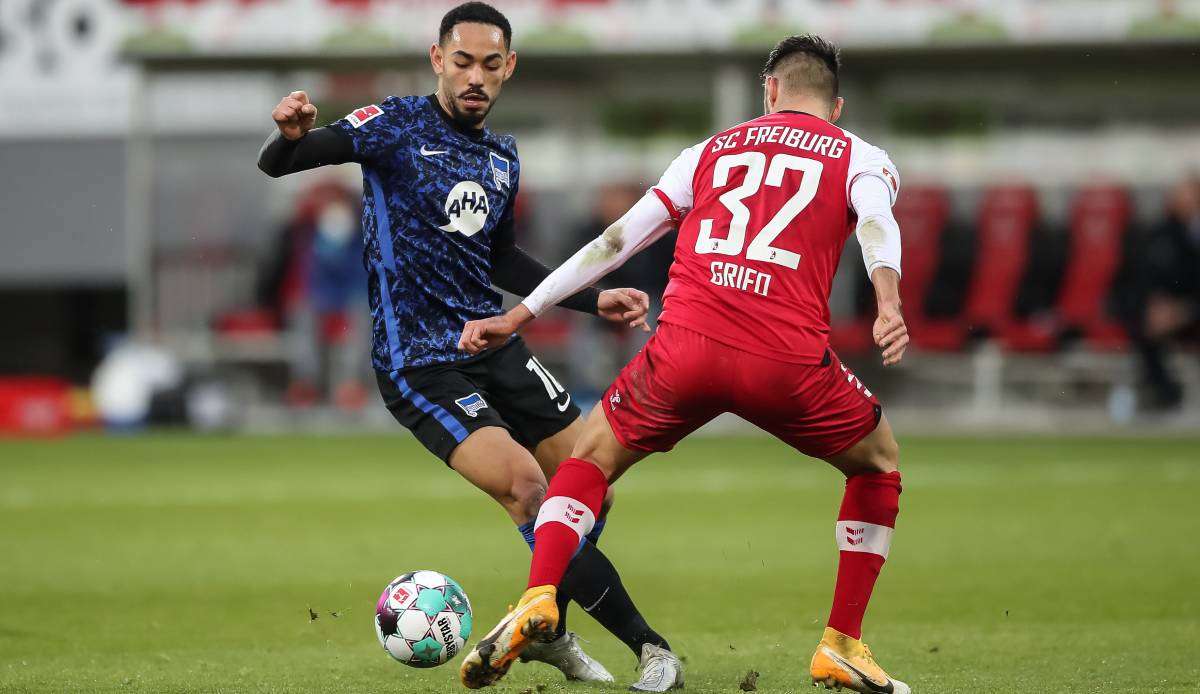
column 682, row 379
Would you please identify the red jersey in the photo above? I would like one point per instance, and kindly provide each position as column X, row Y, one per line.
column 765, row 214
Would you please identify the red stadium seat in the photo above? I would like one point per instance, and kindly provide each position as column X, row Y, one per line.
column 922, row 212
column 1099, row 220
column 1007, row 218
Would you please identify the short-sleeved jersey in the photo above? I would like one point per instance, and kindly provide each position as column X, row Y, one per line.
column 435, row 197
column 765, row 213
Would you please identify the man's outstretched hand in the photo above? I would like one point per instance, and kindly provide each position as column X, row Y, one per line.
column 479, row 335
column 628, row 306
column 295, row 115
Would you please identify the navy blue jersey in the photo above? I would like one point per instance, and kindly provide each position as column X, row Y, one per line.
column 435, row 198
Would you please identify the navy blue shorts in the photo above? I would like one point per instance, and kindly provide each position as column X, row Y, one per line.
column 508, row 387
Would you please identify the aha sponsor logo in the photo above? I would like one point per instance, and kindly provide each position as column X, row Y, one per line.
column 471, row 404
column 467, row 209
column 364, row 114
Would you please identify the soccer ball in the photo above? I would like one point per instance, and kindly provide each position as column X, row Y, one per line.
column 423, row 618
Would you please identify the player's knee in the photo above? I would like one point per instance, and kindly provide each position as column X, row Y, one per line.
column 525, row 498
column 885, row 456
column 878, row 454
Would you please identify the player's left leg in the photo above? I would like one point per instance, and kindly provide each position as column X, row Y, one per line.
column 828, row 413
column 866, row 522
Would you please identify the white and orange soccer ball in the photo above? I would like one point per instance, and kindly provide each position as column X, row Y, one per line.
column 423, row 618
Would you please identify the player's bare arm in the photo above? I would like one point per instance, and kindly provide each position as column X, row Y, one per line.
column 878, row 233
column 625, row 305
column 517, row 272
column 889, row 332
column 642, row 225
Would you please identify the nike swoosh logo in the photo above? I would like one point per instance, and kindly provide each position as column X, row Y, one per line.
column 886, row 688
column 562, row 407
column 430, row 152
column 491, row 636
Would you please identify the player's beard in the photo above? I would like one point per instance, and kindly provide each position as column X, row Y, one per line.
column 470, row 119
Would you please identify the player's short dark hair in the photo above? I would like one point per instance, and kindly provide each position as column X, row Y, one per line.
column 806, row 63
column 479, row 13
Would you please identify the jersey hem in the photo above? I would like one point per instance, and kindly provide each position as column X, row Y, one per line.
column 787, row 358
column 448, row 362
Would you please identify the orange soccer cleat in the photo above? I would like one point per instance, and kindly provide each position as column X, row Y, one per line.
column 535, row 618
column 842, row 661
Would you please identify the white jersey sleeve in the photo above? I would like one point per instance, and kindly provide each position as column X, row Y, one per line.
column 872, row 184
column 675, row 186
column 868, row 160
column 877, row 231
column 644, row 223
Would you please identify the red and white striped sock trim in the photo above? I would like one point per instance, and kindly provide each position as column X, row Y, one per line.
column 858, row 536
column 570, row 512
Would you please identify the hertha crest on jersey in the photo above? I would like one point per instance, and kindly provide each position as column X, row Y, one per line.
column 500, row 167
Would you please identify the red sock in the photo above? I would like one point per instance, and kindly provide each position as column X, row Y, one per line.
column 568, row 513
column 864, row 536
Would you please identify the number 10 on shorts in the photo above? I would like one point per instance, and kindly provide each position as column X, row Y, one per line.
column 554, row 389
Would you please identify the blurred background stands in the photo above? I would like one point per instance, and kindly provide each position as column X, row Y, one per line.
column 1048, row 151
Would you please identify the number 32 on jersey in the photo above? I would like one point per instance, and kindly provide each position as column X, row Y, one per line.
column 758, row 173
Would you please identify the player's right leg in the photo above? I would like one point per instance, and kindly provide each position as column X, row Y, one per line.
column 567, row 514
column 492, row 461
column 572, row 504
column 661, row 670
column 543, row 418
column 591, row 579
column 633, row 419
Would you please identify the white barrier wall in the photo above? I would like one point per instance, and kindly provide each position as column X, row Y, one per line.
column 59, row 53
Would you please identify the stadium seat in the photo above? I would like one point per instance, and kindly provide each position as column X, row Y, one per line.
column 1100, row 217
column 922, row 212
column 1007, row 217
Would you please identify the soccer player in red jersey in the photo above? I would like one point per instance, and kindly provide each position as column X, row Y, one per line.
column 763, row 210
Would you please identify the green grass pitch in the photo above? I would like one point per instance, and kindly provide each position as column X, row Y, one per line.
column 173, row 563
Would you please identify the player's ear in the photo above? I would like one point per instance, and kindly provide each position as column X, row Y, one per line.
column 838, row 103
column 510, row 64
column 436, row 59
column 770, row 92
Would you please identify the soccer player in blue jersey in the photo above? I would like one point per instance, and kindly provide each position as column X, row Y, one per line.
column 438, row 196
